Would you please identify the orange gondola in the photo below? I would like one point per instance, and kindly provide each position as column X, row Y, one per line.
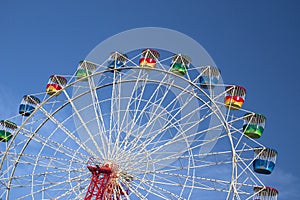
column 55, row 84
column 149, row 58
column 235, row 97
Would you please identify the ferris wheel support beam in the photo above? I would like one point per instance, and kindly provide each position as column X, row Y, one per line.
column 97, row 112
column 84, row 124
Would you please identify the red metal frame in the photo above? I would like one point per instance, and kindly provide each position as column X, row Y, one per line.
column 99, row 180
column 104, row 185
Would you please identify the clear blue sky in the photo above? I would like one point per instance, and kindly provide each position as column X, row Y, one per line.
column 255, row 43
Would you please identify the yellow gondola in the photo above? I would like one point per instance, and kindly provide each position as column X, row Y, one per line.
column 55, row 84
column 149, row 57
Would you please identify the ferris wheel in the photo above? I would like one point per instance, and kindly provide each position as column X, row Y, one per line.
column 146, row 115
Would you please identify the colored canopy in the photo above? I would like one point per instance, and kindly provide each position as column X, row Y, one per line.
column 265, row 191
column 210, row 71
column 235, row 90
column 255, row 118
column 182, row 59
column 8, row 124
column 265, row 152
column 31, row 99
column 118, row 56
column 150, row 53
column 87, row 65
column 58, row 79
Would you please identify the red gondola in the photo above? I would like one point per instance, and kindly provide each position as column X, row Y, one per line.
column 149, row 57
column 55, row 84
column 235, row 97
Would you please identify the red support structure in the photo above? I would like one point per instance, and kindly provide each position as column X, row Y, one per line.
column 99, row 181
column 104, row 184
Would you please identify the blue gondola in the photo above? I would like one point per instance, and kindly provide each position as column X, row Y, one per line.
column 209, row 77
column 28, row 105
column 265, row 160
column 117, row 60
